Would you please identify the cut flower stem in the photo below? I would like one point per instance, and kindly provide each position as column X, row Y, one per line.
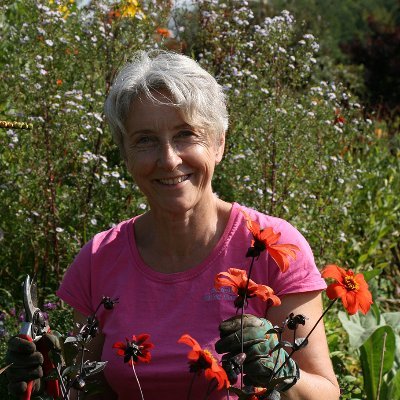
column 137, row 380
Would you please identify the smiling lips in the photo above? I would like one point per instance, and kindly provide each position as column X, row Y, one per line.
column 173, row 181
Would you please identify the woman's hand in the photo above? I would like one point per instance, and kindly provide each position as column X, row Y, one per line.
column 262, row 356
column 27, row 363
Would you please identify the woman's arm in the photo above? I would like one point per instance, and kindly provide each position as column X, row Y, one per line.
column 316, row 373
column 95, row 348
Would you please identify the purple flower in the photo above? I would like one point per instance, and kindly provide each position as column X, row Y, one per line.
column 21, row 316
column 45, row 315
column 50, row 306
column 2, row 316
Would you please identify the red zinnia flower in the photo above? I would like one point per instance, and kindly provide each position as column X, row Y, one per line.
column 265, row 239
column 135, row 350
column 237, row 280
column 352, row 289
column 200, row 359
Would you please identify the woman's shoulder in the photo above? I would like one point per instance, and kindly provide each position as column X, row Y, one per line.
column 117, row 233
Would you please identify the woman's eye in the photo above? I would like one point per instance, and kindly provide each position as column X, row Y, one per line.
column 186, row 134
column 145, row 141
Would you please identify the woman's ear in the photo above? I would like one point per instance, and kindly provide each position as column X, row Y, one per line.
column 219, row 148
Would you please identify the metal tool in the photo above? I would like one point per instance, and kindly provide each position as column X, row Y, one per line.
column 32, row 329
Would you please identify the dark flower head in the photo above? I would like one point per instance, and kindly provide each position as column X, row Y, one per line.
column 293, row 321
column 135, row 350
column 108, row 302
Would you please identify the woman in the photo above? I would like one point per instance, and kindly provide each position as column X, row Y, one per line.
column 168, row 117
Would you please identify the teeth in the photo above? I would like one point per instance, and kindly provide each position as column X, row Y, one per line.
column 173, row 181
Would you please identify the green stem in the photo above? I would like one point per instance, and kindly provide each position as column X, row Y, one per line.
column 378, row 392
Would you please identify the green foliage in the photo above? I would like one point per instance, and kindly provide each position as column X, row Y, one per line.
column 377, row 357
column 298, row 145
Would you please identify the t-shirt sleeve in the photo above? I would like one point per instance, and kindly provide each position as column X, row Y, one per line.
column 302, row 275
column 75, row 288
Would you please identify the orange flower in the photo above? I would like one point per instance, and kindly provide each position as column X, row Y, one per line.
column 200, row 359
column 164, row 32
column 265, row 239
column 352, row 289
column 59, row 82
column 256, row 393
column 237, row 280
column 135, row 350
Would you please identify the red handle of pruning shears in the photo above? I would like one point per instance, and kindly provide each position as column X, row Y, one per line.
column 52, row 387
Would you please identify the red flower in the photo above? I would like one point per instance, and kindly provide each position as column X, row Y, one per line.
column 265, row 239
column 200, row 359
column 352, row 289
column 237, row 280
column 135, row 350
column 164, row 32
column 339, row 119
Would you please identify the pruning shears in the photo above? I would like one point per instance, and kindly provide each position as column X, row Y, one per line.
column 32, row 329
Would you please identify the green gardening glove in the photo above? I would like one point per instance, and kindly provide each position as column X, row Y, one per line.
column 261, row 357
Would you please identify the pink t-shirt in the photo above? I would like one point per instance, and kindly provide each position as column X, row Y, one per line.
column 169, row 305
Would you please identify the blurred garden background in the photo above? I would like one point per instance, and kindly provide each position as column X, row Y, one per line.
column 314, row 98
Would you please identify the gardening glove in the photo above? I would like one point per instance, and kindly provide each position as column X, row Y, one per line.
column 27, row 362
column 261, row 358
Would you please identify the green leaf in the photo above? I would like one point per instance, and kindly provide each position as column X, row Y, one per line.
column 374, row 354
column 359, row 327
column 368, row 275
column 394, row 387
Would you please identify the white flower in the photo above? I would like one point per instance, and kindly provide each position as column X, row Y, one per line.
column 115, row 174
column 93, row 221
column 49, row 42
column 340, row 180
column 142, row 206
column 122, row 184
column 59, row 230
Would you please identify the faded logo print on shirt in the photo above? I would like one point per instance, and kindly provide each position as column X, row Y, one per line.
column 225, row 293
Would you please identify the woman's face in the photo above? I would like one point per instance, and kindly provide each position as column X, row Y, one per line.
column 171, row 162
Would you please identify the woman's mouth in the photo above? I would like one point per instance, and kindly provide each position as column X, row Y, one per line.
column 173, row 181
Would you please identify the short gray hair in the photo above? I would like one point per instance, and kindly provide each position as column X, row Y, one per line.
column 194, row 92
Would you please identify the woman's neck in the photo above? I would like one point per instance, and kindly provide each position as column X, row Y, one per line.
column 173, row 243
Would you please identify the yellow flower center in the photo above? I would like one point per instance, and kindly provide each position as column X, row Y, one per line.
column 351, row 283
column 208, row 353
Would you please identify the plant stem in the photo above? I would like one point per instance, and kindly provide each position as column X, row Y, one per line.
column 65, row 395
column 378, row 391
column 137, row 380
column 241, row 319
column 210, row 389
column 305, row 339
column 191, row 386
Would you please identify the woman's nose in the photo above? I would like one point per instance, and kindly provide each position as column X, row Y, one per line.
column 168, row 157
